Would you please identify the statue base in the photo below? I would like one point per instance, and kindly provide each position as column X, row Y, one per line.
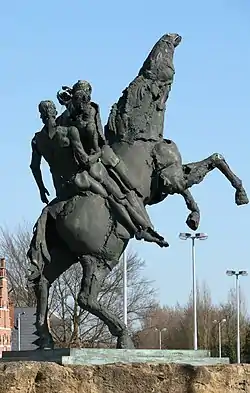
column 98, row 356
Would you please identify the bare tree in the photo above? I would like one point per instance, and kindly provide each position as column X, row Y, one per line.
column 13, row 247
column 178, row 322
column 229, row 333
column 78, row 326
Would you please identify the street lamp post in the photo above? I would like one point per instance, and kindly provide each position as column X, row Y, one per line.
column 219, row 332
column 19, row 329
column 125, row 289
column 160, row 335
column 196, row 236
column 237, row 275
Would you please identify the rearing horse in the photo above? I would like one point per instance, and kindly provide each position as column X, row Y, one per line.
column 86, row 228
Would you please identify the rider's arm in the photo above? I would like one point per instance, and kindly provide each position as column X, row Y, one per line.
column 78, row 150
column 35, row 164
column 35, row 167
column 92, row 128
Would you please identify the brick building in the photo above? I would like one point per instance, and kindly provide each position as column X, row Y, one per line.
column 6, row 311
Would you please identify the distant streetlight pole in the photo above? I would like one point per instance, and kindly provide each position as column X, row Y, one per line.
column 19, row 329
column 125, row 289
column 160, row 335
column 196, row 236
column 219, row 323
column 237, row 285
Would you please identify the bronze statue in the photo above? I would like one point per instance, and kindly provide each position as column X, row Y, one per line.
column 103, row 182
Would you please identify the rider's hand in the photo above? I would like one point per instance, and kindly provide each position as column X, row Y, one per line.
column 84, row 164
column 94, row 157
column 43, row 196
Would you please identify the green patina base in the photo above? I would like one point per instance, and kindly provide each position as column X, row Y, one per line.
column 96, row 356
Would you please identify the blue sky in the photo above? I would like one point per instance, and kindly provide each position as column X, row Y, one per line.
column 50, row 43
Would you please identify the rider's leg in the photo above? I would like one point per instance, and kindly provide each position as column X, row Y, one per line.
column 139, row 219
column 113, row 190
column 144, row 228
column 133, row 219
column 85, row 182
column 148, row 237
column 129, row 224
column 135, row 201
column 134, row 210
column 117, row 167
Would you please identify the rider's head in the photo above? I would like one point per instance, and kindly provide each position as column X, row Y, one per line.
column 48, row 112
column 81, row 94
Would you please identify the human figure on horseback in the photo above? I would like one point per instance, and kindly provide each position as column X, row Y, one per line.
column 74, row 171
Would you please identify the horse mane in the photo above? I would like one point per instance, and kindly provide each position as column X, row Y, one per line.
column 139, row 112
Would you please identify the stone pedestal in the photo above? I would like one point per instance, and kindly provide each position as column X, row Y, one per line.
column 97, row 356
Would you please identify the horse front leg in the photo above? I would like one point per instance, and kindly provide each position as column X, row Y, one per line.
column 195, row 173
column 193, row 219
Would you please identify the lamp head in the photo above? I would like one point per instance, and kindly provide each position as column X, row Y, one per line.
column 201, row 236
column 184, row 235
column 243, row 273
column 230, row 272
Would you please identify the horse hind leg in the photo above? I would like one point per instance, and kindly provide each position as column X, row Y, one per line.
column 94, row 273
column 41, row 289
column 61, row 260
column 195, row 173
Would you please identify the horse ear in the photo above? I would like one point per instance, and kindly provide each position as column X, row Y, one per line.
column 168, row 141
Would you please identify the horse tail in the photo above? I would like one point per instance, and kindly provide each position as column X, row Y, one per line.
column 38, row 253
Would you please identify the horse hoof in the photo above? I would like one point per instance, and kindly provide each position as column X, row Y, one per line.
column 125, row 342
column 46, row 344
column 241, row 197
column 193, row 220
column 163, row 243
column 46, row 348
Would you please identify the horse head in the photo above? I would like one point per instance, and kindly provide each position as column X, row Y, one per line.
column 159, row 65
